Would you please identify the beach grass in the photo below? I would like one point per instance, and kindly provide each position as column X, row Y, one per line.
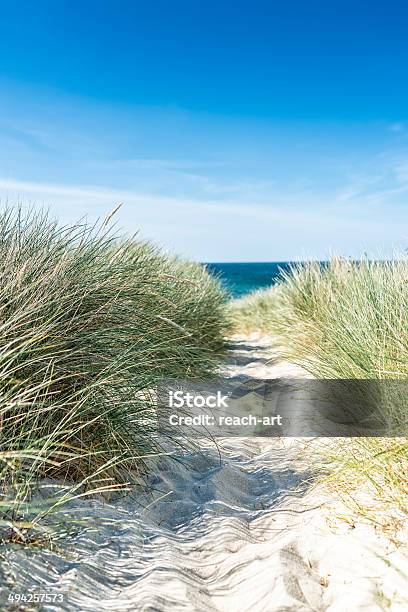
column 90, row 323
column 346, row 320
column 255, row 311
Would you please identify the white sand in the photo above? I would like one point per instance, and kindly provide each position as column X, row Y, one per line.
column 229, row 529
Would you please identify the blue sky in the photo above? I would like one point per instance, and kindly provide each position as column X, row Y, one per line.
column 231, row 131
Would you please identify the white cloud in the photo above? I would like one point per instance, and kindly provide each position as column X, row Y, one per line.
column 219, row 229
column 210, row 187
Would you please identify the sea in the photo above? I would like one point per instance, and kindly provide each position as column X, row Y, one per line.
column 239, row 279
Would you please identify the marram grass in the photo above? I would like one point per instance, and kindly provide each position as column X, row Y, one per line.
column 89, row 324
column 254, row 312
column 345, row 320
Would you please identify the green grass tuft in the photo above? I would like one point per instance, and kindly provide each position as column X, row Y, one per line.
column 254, row 312
column 345, row 320
column 89, row 324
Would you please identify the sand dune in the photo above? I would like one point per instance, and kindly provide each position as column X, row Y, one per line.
column 233, row 527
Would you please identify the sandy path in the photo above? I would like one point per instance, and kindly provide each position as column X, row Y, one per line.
column 230, row 529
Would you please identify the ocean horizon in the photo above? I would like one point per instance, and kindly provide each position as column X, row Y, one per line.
column 241, row 278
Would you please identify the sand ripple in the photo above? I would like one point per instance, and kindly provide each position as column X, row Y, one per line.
column 233, row 528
